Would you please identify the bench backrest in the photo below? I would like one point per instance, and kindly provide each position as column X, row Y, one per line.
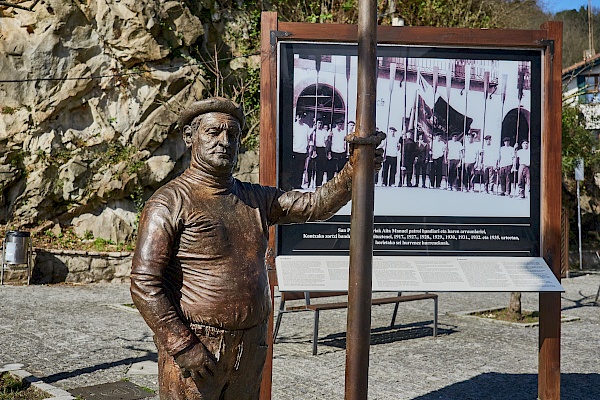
column 287, row 296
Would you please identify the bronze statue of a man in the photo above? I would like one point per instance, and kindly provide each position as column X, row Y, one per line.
column 199, row 277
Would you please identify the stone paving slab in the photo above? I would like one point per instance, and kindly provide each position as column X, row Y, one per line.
column 122, row 390
column 73, row 336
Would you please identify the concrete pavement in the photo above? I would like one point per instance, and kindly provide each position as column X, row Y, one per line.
column 73, row 336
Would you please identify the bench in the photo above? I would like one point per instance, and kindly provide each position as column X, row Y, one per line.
column 318, row 307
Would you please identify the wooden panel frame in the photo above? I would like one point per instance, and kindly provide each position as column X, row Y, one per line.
column 549, row 39
column 268, row 166
column 549, row 304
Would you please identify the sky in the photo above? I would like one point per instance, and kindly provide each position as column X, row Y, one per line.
column 555, row 6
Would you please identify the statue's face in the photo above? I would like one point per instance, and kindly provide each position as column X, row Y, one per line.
column 215, row 142
column 525, row 145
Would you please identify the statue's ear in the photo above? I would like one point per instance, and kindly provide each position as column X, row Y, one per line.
column 187, row 136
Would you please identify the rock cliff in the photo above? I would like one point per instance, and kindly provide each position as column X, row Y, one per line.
column 90, row 91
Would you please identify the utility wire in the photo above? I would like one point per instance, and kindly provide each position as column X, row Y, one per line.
column 8, row 4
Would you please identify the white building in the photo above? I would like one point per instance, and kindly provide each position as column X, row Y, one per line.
column 581, row 87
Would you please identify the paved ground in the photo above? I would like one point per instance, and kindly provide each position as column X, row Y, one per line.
column 74, row 336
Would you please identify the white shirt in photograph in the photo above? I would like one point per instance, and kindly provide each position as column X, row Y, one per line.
column 454, row 150
column 321, row 136
column 490, row 155
column 472, row 152
column 438, row 148
column 524, row 157
column 300, row 138
column 338, row 142
column 391, row 145
column 507, row 154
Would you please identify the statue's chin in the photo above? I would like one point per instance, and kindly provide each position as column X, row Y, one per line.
column 223, row 164
column 214, row 165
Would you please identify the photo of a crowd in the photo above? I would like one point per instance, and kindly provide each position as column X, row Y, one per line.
column 461, row 127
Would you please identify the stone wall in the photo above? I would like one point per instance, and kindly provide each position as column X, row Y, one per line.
column 73, row 266
column 590, row 260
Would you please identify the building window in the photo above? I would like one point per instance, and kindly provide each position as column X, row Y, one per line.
column 591, row 92
column 589, row 88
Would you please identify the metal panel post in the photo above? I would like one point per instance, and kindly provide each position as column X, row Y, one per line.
column 361, row 224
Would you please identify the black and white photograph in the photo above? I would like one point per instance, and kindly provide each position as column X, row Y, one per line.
column 462, row 130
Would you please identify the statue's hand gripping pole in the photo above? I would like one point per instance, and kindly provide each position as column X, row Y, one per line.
column 374, row 140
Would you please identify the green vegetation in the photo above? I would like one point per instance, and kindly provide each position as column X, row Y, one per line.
column 135, row 166
column 68, row 240
column 58, row 158
column 101, row 244
column 12, row 388
column 578, row 142
column 504, row 314
column 575, row 33
column 116, row 152
column 138, row 199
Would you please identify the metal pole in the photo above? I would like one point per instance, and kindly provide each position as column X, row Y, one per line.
column 503, row 85
column 479, row 162
column 448, row 90
column 434, row 83
column 464, row 138
column 361, row 224
column 579, row 227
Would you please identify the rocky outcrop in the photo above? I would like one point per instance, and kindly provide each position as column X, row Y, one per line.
column 90, row 91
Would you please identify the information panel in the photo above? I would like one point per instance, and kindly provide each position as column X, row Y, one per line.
column 462, row 155
column 421, row 274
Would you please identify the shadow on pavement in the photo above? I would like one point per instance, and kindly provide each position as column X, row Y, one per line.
column 149, row 356
column 396, row 333
column 496, row 386
column 583, row 301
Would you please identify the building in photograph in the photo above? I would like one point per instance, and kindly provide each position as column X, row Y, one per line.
column 472, row 98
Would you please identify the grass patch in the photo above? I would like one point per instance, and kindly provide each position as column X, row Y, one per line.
column 502, row 314
column 12, row 388
column 101, row 244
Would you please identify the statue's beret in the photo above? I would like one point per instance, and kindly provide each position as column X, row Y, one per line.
column 214, row 104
